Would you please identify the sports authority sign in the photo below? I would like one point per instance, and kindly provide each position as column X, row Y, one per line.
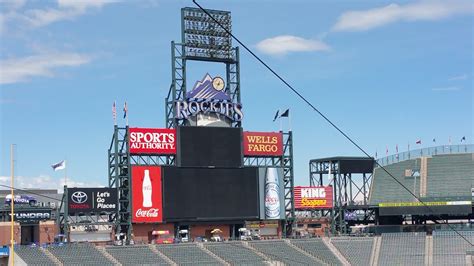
column 152, row 141
column 313, row 198
column 147, row 205
column 263, row 143
column 92, row 200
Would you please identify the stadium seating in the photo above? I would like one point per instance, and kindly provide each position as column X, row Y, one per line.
column 318, row 249
column 385, row 189
column 450, row 175
column 278, row 250
column 33, row 255
column 187, row 254
column 449, row 248
column 79, row 254
column 357, row 250
column 235, row 253
column 133, row 255
column 402, row 249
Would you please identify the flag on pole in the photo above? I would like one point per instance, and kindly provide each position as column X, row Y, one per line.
column 286, row 113
column 463, row 139
column 418, row 141
column 434, row 140
column 59, row 166
column 125, row 109
column 375, row 154
column 276, row 116
column 386, row 150
column 114, row 113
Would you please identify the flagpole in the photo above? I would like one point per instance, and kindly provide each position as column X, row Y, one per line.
column 289, row 119
column 12, row 205
column 65, row 171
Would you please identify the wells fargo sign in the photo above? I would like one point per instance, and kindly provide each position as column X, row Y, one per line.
column 263, row 144
column 313, row 197
column 152, row 141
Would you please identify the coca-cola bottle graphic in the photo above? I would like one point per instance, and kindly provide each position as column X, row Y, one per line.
column 272, row 192
column 147, row 190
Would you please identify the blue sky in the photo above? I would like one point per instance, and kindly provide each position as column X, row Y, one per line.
column 386, row 72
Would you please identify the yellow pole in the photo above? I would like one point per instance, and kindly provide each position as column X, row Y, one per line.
column 12, row 204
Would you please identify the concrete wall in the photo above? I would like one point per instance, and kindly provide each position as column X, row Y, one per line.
column 48, row 230
column 5, row 233
column 204, row 230
column 142, row 232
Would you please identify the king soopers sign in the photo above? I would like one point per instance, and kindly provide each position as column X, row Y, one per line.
column 208, row 96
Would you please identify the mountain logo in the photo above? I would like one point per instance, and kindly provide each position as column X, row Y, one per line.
column 208, row 89
column 208, row 96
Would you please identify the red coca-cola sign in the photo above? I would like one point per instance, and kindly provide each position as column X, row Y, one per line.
column 152, row 141
column 147, row 204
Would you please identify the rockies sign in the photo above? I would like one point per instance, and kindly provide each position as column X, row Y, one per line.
column 91, row 200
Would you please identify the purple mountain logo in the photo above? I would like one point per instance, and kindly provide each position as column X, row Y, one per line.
column 204, row 89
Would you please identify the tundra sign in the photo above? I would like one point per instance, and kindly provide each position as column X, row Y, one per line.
column 92, row 200
column 32, row 215
column 152, row 141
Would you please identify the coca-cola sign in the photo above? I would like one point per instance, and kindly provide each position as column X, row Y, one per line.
column 152, row 141
column 146, row 191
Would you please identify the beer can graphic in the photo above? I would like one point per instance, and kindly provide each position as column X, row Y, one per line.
column 272, row 194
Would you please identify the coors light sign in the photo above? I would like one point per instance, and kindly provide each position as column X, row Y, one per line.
column 272, row 192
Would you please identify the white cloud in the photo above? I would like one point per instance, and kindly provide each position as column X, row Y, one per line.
column 65, row 10
column 284, row 44
column 452, row 88
column 421, row 11
column 460, row 77
column 21, row 69
column 44, row 182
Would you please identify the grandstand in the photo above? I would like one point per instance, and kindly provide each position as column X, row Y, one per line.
column 402, row 249
column 279, row 250
column 318, row 249
column 448, row 176
column 395, row 249
column 357, row 250
column 79, row 254
column 33, row 255
column 188, row 254
column 449, row 248
column 132, row 255
column 236, row 253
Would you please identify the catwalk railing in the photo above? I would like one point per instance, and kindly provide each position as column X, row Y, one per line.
column 437, row 150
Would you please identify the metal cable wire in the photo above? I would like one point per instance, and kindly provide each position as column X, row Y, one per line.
column 300, row 96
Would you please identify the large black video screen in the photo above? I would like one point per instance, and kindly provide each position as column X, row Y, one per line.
column 209, row 146
column 194, row 194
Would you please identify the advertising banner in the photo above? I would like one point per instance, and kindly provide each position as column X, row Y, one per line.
column 272, row 191
column 313, row 197
column 147, row 206
column 32, row 215
column 152, row 141
column 92, row 200
column 263, row 143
